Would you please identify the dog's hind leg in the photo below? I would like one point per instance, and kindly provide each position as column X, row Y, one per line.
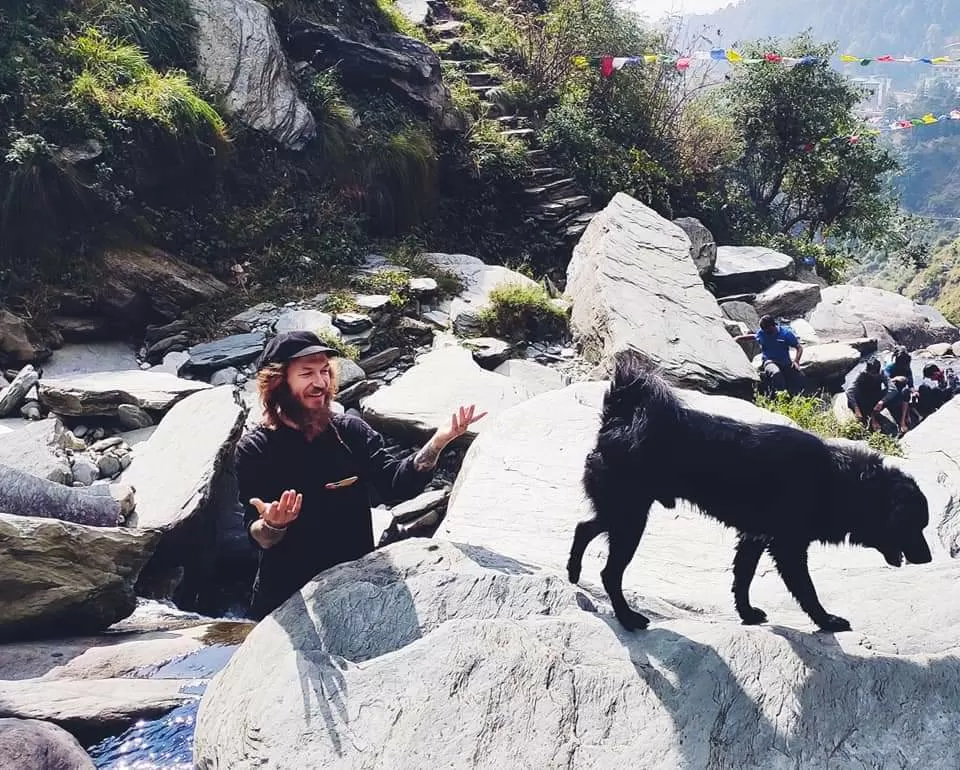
column 585, row 532
column 624, row 540
column 749, row 550
column 791, row 561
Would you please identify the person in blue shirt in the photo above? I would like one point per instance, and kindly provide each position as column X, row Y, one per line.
column 901, row 394
column 778, row 369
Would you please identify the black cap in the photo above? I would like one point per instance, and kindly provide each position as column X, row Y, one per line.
column 289, row 345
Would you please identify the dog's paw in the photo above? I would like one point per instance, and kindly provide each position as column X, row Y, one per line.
column 633, row 621
column 834, row 623
column 753, row 616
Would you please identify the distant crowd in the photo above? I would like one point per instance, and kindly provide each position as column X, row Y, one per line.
column 883, row 385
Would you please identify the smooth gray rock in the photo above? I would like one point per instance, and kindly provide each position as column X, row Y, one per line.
column 352, row 323
column 31, row 744
column 489, row 352
column 348, row 372
column 71, row 360
column 741, row 312
column 306, row 320
column 226, row 376
column 240, row 53
column 13, row 395
column 60, row 578
column 633, row 285
column 750, row 269
column 537, row 378
column 261, row 314
column 34, row 450
column 464, row 643
column 425, row 396
column 102, row 393
column 703, row 246
column 235, row 350
column 379, row 361
column 863, row 311
column 173, row 471
column 85, row 471
column 787, row 299
column 132, row 417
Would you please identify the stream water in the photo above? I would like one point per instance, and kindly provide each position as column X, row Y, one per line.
column 165, row 743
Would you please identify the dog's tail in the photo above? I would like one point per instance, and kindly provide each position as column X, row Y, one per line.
column 639, row 391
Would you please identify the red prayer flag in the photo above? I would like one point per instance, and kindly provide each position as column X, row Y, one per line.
column 606, row 66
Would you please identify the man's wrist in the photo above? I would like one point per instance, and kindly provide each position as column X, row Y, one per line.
column 272, row 528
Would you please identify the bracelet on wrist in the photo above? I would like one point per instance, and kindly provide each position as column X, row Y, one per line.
column 271, row 528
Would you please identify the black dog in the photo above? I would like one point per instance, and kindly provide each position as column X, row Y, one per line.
column 780, row 487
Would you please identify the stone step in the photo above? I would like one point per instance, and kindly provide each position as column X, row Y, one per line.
column 560, row 188
column 482, row 91
column 482, row 78
column 546, row 174
column 446, row 30
column 523, row 134
column 511, row 121
column 537, row 156
column 558, row 209
column 492, row 109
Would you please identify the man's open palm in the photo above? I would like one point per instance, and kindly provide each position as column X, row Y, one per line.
column 460, row 420
column 280, row 512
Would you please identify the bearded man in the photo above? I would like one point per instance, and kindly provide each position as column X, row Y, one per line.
column 318, row 469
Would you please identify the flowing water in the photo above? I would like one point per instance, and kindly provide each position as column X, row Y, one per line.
column 166, row 743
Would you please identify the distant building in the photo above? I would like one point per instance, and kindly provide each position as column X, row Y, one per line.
column 876, row 95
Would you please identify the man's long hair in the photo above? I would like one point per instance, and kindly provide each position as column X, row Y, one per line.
column 277, row 399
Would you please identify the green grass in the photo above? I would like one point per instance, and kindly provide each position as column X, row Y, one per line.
column 519, row 311
column 815, row 415
column 345, row 349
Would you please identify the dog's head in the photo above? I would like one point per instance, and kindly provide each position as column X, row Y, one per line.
column 896, row 515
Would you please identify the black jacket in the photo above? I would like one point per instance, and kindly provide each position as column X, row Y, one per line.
column 334, row 524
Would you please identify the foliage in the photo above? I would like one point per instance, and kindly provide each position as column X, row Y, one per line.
column 521, row 311
column 939, row 282
column 163, row 29
column 335, row 341
column 788, row 179
column 814, row 414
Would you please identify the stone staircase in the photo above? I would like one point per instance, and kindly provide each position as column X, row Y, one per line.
column 552, row 198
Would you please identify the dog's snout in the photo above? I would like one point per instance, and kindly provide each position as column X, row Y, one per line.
column 918, row 552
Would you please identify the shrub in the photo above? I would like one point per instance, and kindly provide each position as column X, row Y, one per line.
column 345, row 349
column 815, row 415
column 518, row 311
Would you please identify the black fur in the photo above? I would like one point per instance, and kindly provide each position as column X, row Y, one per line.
column 780, row 487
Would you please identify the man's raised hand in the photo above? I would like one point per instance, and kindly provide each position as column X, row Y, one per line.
column 279, row 513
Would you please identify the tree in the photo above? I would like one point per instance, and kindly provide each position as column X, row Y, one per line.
column 798, row 172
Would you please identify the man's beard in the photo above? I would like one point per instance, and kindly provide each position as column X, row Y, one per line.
column 306, row 419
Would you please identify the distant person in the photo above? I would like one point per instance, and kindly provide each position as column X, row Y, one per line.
column 306, row 474
column 871, row 393
column 899, row 373
column 933, row 391
column 778, row 369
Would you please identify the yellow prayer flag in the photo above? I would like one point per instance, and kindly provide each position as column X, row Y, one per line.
column 928, row 118
column 940, row 59
column 580, row 61
column 847, row 58
column 650, row 58
column 733, row 56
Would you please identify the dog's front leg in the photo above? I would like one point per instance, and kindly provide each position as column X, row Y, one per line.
column 791, row 561
column 624, row 539
column 749, row 550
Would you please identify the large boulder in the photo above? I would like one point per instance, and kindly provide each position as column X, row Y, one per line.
column 30, row 744
column 103, row 393
column 425, row 396
column 478, row 279
column 750, row 269
column 787, row 299
column 892, row 319
column 633, row 285
column 19, row 342
column 240, row 53
column 174, row 470
column 145, row 285
column 703, row 246
column 38, row 449
column 60, row 578
column 829, row 364
column 398, row 64
column 235, row 350
column 433, row 654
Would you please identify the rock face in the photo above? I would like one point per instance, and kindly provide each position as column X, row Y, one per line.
column 101, row 393
column 862, row 311
column 829, row 363
column 175, row 468
column 60, row 578
column 33, row 450
column 239, row 51
column 787, row 299
column 147, row 285
column 633, row 285
column 703, row 247
column 465, row 645
column 479, row 279
column 235, row 350
column 30, row 743
column 423, row 398
column 402, row 65
column 750, row 269
column 19, row 342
